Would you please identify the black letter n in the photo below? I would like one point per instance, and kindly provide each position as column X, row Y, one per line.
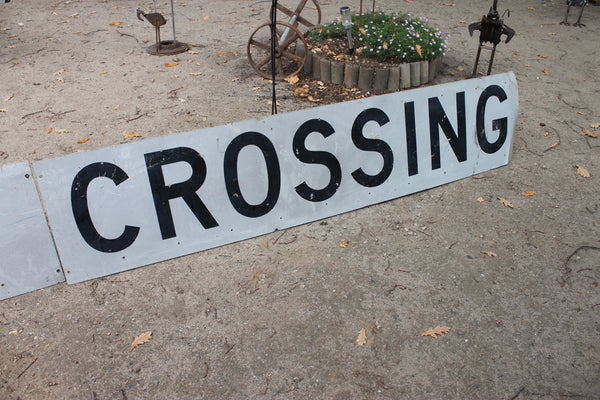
column 162, row 192
column 437, row 119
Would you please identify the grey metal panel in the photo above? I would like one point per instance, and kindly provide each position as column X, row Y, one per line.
column 28, row 257
column 112, row 206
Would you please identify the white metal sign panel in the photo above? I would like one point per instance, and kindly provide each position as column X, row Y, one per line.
column 122, row 207
column 29, row 259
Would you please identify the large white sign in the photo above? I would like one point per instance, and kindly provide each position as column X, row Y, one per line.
column 130, row 205
column 28, row 257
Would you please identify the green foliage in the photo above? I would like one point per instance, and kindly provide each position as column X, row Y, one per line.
column 389, row 36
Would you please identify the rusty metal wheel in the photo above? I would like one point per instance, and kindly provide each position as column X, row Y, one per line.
column 287, row 62
column 309, row 17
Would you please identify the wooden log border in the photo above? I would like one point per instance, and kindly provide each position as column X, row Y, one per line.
column 380, row 79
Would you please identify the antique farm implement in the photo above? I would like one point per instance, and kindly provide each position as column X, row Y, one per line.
column 288, row 48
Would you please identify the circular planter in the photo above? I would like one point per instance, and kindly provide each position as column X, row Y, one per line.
column 383, row 78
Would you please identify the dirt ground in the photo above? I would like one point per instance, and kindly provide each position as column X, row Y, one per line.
column 278, row 316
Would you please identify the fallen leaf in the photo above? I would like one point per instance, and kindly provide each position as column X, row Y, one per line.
column 545, row 71
column 531, row 8
column 60, row 79
column 62, row 131
column 542, row 56
column 114, row 8
column 82, row 141
column 103, row 72
column 516, row 54
column 223, row 53
column 13, row 332
column 419, row 49
column 139, row 340
column 301, row 92
column 195, row 73
column 59, row 72
column 344, row 243
column 193, row 52
column 116, row 23
column 9, row 97
column 72, row 15
column 460, row 68
column 255, row 88
column 505, row 202
column 528, row 193
column 206, row 18
column 168, row 65
column 361, row 340
column 595, row 126
column 480, row 199
column 436, row 332
column 49, row 130
column 3, row 110
column 131, row 135
column 590, row 133
column 583, row 172
column 310, row 98
column 292, row 79
column 489, row 253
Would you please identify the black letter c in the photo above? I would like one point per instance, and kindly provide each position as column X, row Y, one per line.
column 81, row 212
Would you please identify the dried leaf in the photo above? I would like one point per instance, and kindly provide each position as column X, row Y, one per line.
column 583, row 172
column 59, row 72
column 542, row 56
column 3, row 110
column 193, row 52
column 310, row 98
column 460, row 68
column 195, row 73
column 595, row 126
column 480, row 199
column 9, row 97
column 131, row 135
column 171, row 64
column 114, row 8
column 528, row 193
column 292, row 79
column 344, row 243
column 361, row 340
column 489, row 253
column 116, row 23
column 139, row 340
column 418, row 48
column 301, row 92
column 82, row 141
column 206, row 18
column 516, row 53
column 505, row 202
column 103, row 72
column 223, row 52
column 590, row 133
column 62, row 131
column 49, row 130
column 436, row 332
column 545, row 71
column 60, row 79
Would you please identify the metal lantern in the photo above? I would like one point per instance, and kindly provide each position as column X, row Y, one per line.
column 347, row 24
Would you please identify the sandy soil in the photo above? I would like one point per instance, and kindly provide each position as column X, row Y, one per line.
column 280, row 321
